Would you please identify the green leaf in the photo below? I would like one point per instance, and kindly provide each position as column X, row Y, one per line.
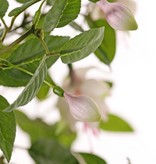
column 115, row 124
column 50, row 152
column 20, row 9
column 86, row 158
column 82, row 45
column 37, row 129
column 28, row 55
column 7, row 129
column 106, row 51
column 3, row 8
column 61, row 13
column 31, row 88
column 33, row 48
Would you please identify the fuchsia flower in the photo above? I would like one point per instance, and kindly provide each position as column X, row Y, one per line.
column 118, row 16
column 86, row 99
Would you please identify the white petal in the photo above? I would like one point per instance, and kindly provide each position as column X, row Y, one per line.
column 94, row 88
column 82, row 72
column 83, row 108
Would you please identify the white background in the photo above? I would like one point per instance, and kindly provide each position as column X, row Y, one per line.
column 133, row 97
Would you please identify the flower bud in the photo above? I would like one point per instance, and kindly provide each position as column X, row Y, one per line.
column 58, row 91
column 83, row 108
column 118, row 15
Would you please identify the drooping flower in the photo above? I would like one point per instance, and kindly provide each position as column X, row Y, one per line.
column 118, row 16
column 83, row 108
column 79, row 85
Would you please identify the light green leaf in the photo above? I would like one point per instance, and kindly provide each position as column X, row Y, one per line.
column 20, row 9
column 7, row 129
column 86, row 158
column 48, row 151
column 31, row 88
column 61, row 13
column 37, row 129
column 106, row 51
column 4, row 6
column 82, row 45
column 43, row 92
column 115, row 124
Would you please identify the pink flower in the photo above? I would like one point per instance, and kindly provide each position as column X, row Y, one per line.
column 118, row 15
column 83, row 108
column 88, row 92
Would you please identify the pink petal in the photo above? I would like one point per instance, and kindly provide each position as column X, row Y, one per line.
column 83, row 108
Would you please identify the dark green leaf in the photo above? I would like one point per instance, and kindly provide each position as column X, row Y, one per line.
column 31, row 88
column 107, row 49
column 7, row 129
column 86, row 158
column 50, row 152
column 115, row 124
column 4, row 6
column 13, row 78
column 37, row 129
column 20, row 9
column 61, row 13
column 82, row 45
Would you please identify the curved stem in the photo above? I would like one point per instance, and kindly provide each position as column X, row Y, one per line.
column 6, row 29
column 3, row 21
column 45, row 46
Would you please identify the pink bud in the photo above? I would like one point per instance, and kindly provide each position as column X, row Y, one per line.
column 83, row 108
column 118, row 15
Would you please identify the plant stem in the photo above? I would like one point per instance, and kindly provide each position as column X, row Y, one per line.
column 3, row 21
column 6, row 29
column 45, row 46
